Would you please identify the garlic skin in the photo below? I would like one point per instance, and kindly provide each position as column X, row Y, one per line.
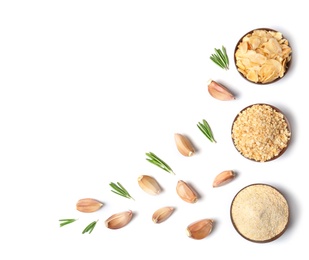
column 223, row 178
column 88, row 205
column 184, row 145
column 185, row 192
column 200, row 229
column 162, row 214
column 149, row 184
column 219, row 91
column 119, row 220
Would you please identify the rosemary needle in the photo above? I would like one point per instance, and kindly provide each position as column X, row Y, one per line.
column 206, row 130
column 90, row 227
column 66, row 221
column 120, row 190
column 159, row 162
column 220, row 58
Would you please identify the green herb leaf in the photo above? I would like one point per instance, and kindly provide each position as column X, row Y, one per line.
column 90, row 227
column 152, row 158
column 120, row 190
column 206, row 130
column 66, row 221
column 220, row 58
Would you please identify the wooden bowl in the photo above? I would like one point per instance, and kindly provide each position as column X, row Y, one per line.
column 260, row 213
column 286, row 66
column 249, row 134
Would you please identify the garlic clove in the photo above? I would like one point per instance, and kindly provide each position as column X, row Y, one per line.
column 149, row 184
column 162, row 214
column 184, row 145
column 223, row 178
column 200, row 229
column 88, row 205
column 185, row 192
column 219, row 91
column 119, row 220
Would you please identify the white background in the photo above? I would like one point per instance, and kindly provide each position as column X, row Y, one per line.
column 88, row 87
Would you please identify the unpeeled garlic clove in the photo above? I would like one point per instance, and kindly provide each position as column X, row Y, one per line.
column 88, row 205
column 219, row 91
column 119, row 220
column 149, row 184
column 200, row 229
column 162, row 214
column 185, row 192
column 223, row 178
column 184, row 145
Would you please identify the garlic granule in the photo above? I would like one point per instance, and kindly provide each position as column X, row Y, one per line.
column 260, row 132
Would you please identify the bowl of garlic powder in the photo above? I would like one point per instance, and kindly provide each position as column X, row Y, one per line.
column 260, row 213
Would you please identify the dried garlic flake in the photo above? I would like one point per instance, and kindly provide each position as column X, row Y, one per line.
column 262, row 56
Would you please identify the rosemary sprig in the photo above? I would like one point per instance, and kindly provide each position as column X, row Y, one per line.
column 220, row 57
column 206, row 130
column 90, row 227
column 66, row 221
column 158, row 162
column 120, row 190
